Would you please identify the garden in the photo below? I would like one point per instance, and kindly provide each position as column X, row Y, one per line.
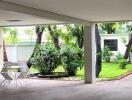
column 110, row 70
column 62, row 55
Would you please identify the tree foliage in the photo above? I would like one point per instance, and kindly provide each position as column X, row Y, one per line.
column 12, row 38
column 78, row 32
column 46, row 58
column 109, row 28
column 39, row 33
column 71, row 59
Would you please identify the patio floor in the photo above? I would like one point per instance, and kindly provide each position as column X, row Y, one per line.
column 71, row 90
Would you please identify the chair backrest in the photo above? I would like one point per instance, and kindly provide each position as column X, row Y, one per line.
column 5, row 72
column 7, row 76
column 5, row 68
column 23, row 66
column 23, row 69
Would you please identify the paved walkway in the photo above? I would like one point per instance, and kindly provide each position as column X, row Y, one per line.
column 71, row 90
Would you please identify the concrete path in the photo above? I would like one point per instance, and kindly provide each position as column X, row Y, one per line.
column 71, row 90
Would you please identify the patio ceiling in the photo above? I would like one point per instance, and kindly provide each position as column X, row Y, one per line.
column 8, row 18
column 64, row 11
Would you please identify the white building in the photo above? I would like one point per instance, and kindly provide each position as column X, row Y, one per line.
column 116, row 42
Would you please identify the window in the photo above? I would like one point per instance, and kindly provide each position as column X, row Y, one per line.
column 112, row 44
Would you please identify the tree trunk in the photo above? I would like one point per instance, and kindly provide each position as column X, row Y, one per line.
column 38, row 42
column 4, row 52
column 98, row 52
column 81, row 43
column 128, row 47
column 54, row 38
column 80, row 37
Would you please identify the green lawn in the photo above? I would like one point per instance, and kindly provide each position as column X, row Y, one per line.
column 109, row 70
column 112, row 70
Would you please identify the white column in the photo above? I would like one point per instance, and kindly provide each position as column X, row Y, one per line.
column 1, row 48
column 89, row 53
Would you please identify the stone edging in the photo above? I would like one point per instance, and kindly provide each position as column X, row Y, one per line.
column 117, row 78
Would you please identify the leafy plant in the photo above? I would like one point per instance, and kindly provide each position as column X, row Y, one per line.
column 30, row 32
column 122, row 63
column 118, row 57
column 10, row 35
column 46, row 58
column 106, row 54
column 71, row 57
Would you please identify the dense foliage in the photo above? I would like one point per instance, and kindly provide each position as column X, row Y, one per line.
column 71, row 57
column 106, row 54
column 11, row 35
column 123, row 63
column 46, row 58
column 118, row 57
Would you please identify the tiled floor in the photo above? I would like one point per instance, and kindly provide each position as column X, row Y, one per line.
column 70, row 90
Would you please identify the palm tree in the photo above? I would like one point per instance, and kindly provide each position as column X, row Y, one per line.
column 78, row 32
column 54, row 32
column 128, row 46
column 13, row 35
column 98, row 52
column 39, row 33
column 110, row 28
column 126, row 56
column 4, row 52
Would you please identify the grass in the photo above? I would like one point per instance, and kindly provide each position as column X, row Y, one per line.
column 112, row 70
column 109, row 70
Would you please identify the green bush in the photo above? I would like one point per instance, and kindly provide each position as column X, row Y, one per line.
column 71, row 57
column 106, row 54
column 118, row 57
column 46, row 58
column 122, row 63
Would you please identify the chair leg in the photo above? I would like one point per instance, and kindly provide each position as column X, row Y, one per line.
column 3, row 81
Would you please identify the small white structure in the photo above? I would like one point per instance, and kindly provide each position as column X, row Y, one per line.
column 17, row 53
column 116, row 42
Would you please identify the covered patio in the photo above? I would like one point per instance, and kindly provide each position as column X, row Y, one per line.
column 87, row 13
column 71, row 90
column 84, row 12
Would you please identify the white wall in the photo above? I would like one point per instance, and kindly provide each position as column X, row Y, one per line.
column 121, row 45
column 19, row 52
column 23, row 52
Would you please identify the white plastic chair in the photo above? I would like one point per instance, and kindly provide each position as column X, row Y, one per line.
column 16, row 77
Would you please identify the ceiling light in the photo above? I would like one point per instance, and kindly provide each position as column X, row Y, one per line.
column 13, row 20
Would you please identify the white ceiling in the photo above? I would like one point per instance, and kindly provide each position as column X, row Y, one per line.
column 25, row 19
column 90, row 10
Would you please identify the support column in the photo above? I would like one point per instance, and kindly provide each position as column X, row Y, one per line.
column 1, row 48
column 89, row 53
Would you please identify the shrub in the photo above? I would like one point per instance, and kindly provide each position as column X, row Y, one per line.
column 106, row 54
column 71, row 57
column 122, row 63
column 46, row 58
column 118, row 57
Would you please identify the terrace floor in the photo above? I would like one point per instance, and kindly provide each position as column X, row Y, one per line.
column 70, row 90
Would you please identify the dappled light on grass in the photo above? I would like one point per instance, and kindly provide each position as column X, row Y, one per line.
column 109, row 70
column 112, row 70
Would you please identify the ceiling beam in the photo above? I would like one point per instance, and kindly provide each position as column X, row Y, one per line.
column 9, row 6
